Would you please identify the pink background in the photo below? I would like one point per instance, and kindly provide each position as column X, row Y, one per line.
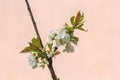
column 97, row 55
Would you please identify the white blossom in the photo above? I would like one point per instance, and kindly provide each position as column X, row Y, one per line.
column 69, row 48
column 62, row 37
column 41, row 64
column 66, row 38
column 52, row 35
column 75, row 40
column 32, row 61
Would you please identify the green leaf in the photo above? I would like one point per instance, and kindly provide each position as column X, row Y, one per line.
column 42, row 55
column 34, row 47
column 26, row 49
column 67, row 26
column 39, row 51
column 50, row 45
column 69, row 29
column 30, row 48
column 82, row 29
column 72, row 20
column 79, row 25
column 36, row 42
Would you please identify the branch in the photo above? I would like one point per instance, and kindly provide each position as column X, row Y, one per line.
column 33, row 21
column 50, row 66
column 51, row 69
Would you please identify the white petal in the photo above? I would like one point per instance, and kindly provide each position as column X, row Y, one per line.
column 32, row 61
column 69, row 48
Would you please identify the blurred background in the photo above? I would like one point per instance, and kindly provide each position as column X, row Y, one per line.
column 97, row 55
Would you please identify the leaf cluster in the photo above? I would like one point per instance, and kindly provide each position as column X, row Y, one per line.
column 77, row 21
column 35, row 47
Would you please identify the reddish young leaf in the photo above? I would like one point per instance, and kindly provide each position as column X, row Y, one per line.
column 78, row 16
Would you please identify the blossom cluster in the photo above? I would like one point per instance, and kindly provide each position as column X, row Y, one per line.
column 64, row 37
column 34, row 63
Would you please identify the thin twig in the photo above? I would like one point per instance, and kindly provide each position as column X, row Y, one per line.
column 50, row 66
column 51, row 69
column 34, row 23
